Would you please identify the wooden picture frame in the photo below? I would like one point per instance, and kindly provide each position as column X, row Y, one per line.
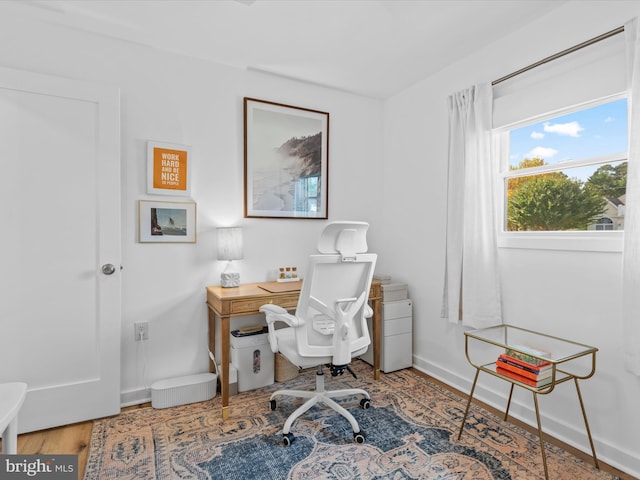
column 168, row 169
column 166, row 222
column 286, row 161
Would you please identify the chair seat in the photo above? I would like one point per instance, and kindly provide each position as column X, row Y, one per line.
column 287, row 347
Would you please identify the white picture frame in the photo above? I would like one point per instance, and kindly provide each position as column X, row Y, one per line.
column 168, row 169
column 166, row 222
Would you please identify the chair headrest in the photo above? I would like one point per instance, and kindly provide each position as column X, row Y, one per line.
column 345, row 238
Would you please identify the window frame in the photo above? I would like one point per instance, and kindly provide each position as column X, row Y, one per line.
column 584, row 240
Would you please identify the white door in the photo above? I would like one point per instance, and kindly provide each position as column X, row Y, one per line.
column 60, row 217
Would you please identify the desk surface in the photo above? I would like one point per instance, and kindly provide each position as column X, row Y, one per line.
column 254, row 289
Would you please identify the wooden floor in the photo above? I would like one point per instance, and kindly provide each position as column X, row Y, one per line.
column 69, row 439
column 74, row 439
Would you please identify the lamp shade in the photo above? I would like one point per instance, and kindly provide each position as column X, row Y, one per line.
column 230, row 244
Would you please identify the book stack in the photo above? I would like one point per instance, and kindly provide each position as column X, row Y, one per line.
column 525, row 368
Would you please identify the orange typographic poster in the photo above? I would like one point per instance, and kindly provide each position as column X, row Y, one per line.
column 170, row 168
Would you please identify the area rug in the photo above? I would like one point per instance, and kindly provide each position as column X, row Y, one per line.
column 411, row 433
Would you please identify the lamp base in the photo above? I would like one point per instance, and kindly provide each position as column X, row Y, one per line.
column 230, row 279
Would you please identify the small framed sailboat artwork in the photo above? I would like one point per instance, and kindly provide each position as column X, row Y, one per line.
column 167, row 222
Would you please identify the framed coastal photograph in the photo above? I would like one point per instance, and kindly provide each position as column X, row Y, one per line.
column 168, row 169
column 286, row 161
column 167, row 222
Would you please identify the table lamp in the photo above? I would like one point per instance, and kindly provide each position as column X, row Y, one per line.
column 230, row 247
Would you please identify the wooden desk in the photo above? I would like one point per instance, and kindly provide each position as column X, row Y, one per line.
column 247, row 299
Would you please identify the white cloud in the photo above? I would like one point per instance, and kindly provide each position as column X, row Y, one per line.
column 609, row 119
column 571, row 129
column 542, row 152
column 537, row 135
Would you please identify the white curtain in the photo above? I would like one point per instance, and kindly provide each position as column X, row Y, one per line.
column 471, row 285
column 631, row 253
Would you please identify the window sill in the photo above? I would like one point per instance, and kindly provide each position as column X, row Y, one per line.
column 569, row 241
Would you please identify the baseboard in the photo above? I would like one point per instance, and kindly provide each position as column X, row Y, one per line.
column 135, row 397
column 573, row 435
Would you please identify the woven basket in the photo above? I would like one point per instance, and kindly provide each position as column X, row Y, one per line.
column 285, row 370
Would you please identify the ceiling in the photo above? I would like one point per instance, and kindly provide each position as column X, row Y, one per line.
column 370, row 47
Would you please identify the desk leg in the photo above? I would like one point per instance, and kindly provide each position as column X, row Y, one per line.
column 225, row 345
column 377, row 334
column 212, row 340
column 225, row 342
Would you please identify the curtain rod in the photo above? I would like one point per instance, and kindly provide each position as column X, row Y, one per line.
column 560, row 54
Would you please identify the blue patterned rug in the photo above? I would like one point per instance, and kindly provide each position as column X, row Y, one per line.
column 394, row 449
column 411, row 433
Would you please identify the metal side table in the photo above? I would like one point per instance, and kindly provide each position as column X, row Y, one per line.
column 561, row 354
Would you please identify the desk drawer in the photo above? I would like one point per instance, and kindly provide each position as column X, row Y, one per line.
column 251, row 305
column 285, row 301
column 247, row 305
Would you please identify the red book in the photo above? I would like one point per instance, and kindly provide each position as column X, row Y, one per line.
column 527, row 381
column 525, row 365
column 517, row 369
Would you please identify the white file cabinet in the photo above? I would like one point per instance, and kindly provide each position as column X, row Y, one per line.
column 396, row 343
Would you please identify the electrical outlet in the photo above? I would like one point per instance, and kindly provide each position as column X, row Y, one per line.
column 141, row 331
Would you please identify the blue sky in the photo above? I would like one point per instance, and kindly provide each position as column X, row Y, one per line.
column 588, row 133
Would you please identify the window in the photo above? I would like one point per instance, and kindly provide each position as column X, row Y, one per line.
column 566, row 172
column 604, row 223
column 549, row 115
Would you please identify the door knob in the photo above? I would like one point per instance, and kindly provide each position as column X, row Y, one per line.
column 108, row 269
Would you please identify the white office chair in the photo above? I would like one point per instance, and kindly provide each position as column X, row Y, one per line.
column 329, row 326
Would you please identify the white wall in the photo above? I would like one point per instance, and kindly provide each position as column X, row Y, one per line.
column 175, row 99
column 570, row 294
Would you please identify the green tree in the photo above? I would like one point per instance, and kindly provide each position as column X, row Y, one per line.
column 514, row 184
column 609, row 181
column 552, row 202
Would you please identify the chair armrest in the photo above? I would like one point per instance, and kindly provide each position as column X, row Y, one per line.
column 273, row 314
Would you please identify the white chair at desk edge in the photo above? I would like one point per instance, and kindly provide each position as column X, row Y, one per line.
column 12, row 397
column 329, row 326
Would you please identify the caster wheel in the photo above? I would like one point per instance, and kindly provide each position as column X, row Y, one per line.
column 365, row 403
column 359, row 437
column 272, row 404
column 287, row 439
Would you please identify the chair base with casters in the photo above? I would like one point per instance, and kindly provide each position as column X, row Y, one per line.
column 320, row 395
